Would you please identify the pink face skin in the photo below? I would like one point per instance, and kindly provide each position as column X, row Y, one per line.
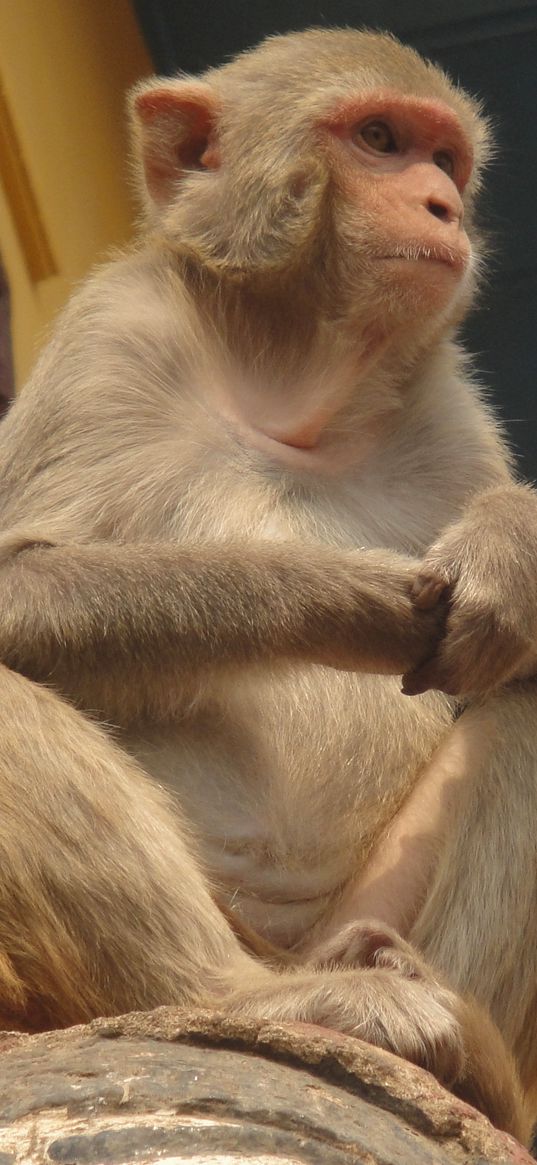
column 405, row 161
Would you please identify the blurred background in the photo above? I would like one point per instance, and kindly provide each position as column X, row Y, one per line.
column 65, row 199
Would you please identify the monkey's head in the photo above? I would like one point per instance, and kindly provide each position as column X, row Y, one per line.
column 339, row 158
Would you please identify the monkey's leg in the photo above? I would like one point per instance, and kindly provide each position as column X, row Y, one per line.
column 479, row 922
column 419, row 851
column 102, row 907
column 398, row 875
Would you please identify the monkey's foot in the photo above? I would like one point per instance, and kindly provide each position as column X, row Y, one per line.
column 388, row 1003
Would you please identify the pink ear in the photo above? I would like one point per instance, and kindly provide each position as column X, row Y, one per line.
column 176, row 123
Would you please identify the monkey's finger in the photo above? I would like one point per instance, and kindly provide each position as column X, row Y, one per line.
column 427, row 589
column 426, row 678
column 442, row 672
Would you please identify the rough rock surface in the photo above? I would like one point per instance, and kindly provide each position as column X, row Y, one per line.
column 173, row 1086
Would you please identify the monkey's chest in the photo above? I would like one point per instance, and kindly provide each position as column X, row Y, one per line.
column 288, row 781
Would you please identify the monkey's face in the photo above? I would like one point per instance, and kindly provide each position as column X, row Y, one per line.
column 400, row 166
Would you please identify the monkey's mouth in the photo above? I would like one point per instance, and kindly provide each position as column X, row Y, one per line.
column 439, row 253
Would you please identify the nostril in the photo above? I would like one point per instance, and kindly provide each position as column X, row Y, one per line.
column 439, row 210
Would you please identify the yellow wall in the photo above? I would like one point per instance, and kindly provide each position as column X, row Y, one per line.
column 64, row 68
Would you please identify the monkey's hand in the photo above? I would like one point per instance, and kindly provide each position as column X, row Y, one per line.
column 485, row 566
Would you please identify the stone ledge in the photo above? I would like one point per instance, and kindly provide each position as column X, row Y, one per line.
column 172, row 1085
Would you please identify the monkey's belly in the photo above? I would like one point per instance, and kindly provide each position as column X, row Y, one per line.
column 288, row 782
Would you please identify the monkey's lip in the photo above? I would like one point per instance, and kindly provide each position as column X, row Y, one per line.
column 431, row 254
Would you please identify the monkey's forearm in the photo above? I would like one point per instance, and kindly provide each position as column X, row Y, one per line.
column 107, row 606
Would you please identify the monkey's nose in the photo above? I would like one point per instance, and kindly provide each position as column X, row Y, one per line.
column 438, row 210
column 444, row 210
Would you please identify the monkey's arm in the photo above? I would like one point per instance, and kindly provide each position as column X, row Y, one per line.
column 485, row 566
column 142, row 609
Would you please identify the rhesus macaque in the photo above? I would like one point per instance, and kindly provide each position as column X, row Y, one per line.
column 251, row 484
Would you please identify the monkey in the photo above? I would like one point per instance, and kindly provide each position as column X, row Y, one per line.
column 250, row 485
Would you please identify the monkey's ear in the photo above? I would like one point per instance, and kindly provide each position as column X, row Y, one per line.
column 174, row 122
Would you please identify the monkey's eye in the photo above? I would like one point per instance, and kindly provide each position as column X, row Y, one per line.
column 378, row 136
column 445, row 161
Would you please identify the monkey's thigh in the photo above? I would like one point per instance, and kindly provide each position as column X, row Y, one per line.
column 479, row 923
column 102, row 907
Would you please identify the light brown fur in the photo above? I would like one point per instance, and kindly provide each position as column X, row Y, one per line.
column 250, row 483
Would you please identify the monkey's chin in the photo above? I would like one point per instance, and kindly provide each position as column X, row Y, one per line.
column 423, row 287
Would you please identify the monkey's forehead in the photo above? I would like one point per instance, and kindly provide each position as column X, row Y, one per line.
column 321, row 65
